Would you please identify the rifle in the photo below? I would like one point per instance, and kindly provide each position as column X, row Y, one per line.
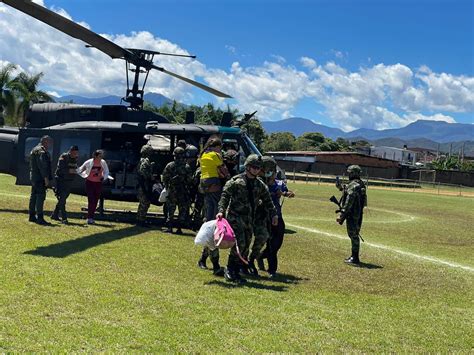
column 333, row 199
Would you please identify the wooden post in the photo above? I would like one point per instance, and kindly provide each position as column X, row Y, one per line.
column 319, row 180
column 307, row 177
column 294, row 172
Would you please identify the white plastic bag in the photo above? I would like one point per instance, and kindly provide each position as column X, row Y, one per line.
column 163, row 195
column 205, row 236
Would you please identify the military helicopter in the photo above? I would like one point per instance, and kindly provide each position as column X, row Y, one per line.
column 118, row 130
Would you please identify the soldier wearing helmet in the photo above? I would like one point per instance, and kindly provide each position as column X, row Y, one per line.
column 240, row 198
column 352, row 204
column 277, row 189
column 262, row 222
column 145, row 183
column 177, row 177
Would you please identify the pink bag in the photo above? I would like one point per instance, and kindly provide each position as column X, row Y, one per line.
column 224, row 236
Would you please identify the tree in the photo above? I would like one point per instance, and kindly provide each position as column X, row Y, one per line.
column 26, row 86
column 310, row 141
column 7, row 95
column 279, row 141
column 256, row 132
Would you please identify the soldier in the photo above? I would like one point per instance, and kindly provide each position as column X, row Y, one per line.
column 353, row 201
column 177, row 177
column 40, row 176
column 64, row 176
column 145, row 183
column 262, row 223
column 277, row 189
column 238, row 203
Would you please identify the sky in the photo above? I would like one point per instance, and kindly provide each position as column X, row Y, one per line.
column 348, row 64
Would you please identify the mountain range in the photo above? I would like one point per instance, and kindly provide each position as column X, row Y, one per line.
column 438, row 131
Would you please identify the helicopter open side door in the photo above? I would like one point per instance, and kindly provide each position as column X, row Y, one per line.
column 86, row 140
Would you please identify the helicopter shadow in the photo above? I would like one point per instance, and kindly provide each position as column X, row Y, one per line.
column 249, row 284
column 71, row 247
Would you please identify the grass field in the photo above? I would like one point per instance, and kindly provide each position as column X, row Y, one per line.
column 116, row 287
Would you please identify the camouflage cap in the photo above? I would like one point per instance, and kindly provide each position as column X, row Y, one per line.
column 178, row 151
column 146, row 150
column 354, row 169
column 253, row 160
column 269, row 164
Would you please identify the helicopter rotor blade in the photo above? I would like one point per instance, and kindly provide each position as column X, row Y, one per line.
column 195, row 83
column 69, row 27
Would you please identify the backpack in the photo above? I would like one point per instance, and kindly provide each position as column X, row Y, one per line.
column 224, row 236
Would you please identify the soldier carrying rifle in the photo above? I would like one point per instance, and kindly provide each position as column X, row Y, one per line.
column 351, row 206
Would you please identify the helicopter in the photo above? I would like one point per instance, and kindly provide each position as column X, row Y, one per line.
column 119, row 131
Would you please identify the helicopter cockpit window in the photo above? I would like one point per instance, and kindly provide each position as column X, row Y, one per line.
column 32, row 142
column 83, row 144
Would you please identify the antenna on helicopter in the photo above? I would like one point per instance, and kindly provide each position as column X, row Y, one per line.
column 247, row 117
column 142, row 60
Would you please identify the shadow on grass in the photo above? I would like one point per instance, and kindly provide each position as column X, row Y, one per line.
column 290, row 231
column 368, row 266
column 249, row 284
column 285, row 278
column 70, row 247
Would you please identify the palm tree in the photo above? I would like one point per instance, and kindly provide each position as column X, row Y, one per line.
column 26, row 87
column 7, row 96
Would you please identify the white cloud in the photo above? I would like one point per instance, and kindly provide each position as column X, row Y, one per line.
column 377, row 96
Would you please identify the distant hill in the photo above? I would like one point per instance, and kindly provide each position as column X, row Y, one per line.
column 298, row 126
column 438, row 131
column 154, row 98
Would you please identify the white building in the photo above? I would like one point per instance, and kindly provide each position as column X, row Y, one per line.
column 402, row 155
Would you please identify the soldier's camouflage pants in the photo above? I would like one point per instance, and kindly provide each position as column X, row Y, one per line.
column 143, row 205
column 37, row 197
column 261, row 235
column 353, row 225
column 183, row 214
column 63, row 190
column 243, row 230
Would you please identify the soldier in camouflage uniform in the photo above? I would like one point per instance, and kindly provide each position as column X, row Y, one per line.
column 64, row 176
column 145, row 183
column 177, row 178
column 352, row 205
column 262, row 223
column 40, row 176
column 238, row 204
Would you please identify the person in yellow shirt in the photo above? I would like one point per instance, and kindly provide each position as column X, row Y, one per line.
column 213, row 170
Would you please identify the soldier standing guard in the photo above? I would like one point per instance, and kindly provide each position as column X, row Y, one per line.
column 64, row 176
column 238, row 203
column 40, row 176
column 145, row 184
column 353, row 201
column 177, row 177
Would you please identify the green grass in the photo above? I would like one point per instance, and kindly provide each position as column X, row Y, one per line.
column 115, row 287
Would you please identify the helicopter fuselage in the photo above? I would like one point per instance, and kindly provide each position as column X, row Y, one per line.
column 118, row 134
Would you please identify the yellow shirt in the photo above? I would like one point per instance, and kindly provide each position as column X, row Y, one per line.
column 209, row 163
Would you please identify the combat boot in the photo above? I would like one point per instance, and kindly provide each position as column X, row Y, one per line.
column 217, row 270
column 32, row 218
column 202, row 261
column 40, row 220
column 179, row 231
column 251, row 268
column 353, row 259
